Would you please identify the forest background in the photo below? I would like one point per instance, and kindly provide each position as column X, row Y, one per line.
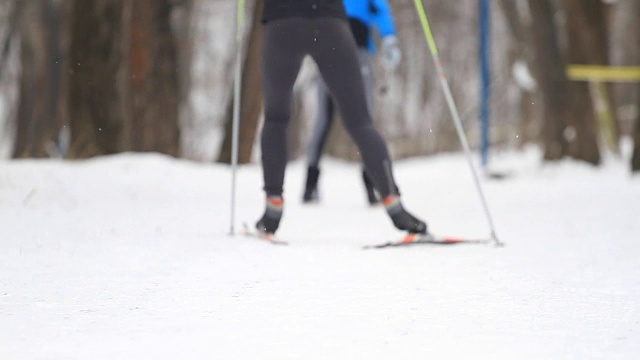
column 80, row 79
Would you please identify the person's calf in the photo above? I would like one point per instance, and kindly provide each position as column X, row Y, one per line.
column 311, row 185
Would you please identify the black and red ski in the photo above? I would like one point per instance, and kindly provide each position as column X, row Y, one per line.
column 266, row 237
column 429, row 239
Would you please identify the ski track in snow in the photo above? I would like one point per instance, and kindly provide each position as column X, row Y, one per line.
column 128, row 257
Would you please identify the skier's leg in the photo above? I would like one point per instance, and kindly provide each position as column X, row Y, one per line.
column 317, row 141
column 324, row 120
column 368, row 79
column 282, row 55
column 335, row 52
column 368, row 186
column 337, row 59
column 366, row 70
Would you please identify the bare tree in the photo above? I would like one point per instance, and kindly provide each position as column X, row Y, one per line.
column 587, row 44
column 549, row 69
column 183, row 25
column 9, row 73
column 522, row 58
column 625, row 51
column 11, row 27
column 154, row 79
column 39, row 117
column 251, row 97
column 635, row 160
column 99, row 75
column 124, row 84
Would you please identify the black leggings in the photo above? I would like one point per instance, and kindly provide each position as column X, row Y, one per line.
column 331, row 45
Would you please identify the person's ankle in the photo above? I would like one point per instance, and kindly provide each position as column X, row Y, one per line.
column 270, row 220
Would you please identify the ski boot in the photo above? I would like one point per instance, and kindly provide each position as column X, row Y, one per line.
column 401, row 218
column 270, row 220
column 311, row 187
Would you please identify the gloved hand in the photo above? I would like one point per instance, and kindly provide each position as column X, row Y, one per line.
column 391, row 54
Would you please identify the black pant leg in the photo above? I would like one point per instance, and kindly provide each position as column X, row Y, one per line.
column 283, row 51
column 336, row 54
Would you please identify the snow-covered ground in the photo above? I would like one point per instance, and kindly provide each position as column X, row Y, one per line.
column 128, row 257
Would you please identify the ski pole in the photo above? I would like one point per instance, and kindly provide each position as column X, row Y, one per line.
column 240, row 19
column 435, row 54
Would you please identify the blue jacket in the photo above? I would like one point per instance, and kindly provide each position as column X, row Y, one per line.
column 373, row 13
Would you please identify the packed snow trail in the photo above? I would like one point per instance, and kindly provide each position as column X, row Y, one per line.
column 127, row 257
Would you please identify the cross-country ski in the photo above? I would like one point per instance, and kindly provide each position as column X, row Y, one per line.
column 429, row 239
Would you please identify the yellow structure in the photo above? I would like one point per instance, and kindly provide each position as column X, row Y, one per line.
column 604, row 73
column 597, row 75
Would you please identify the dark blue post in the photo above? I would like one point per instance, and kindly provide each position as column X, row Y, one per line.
column 485, row 71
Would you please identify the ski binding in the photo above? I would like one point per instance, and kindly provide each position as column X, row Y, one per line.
column 255, row 234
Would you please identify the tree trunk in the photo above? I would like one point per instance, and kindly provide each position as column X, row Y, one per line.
column 11, row 26
column 586, row 33
column 183, row 18
column 625, row 51
column 124, row 78
column 154, row 79
column 549, row 70
column 39, row 120
column 635, row 160
column 99, row 77
column 251, row 97
column 521, row 52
